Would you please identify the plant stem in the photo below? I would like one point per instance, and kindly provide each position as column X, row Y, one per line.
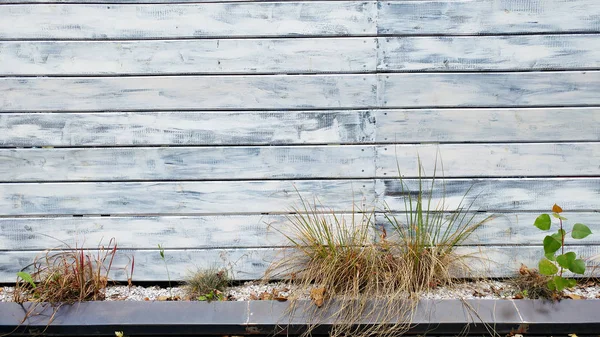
column 562, row 243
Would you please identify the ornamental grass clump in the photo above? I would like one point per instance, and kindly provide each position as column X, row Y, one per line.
column 67, row 275
column 356, row 272
column 206, row 284
column 428, row 232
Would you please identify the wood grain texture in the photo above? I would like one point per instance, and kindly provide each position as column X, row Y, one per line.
column 241, row 231
column 493, row 195
column 489, row 53
column 186, row 128
column 282, row 162
column 250, row 264
column 303, row 127
column 514, row 228
column 228, row 56
column 191, row 198
column 487, row 125
column 488, row 16
column 180, row 198
column 571, row 88
column 187, row 163
column 181, row 232
column 491, row 160
column 187, row 92
column 144, row 21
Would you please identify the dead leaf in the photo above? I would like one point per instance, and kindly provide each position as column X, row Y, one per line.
column 253, row 297
column 146, row 299
column 163, row 298
column 317, row 295
column 518, row 296
column 573, row 296
column 556, row 209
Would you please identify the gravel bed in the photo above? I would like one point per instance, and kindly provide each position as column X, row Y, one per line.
column 488, row 289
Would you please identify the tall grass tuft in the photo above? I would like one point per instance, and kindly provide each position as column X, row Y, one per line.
column 373, row 276
column 430, row 233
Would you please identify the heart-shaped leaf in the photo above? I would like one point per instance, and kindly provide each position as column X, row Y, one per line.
column 551, row 244
column 560, row 283
column 566, row 259
column 546, row 267
column 550, row 256
column 556, row 209
column 571, row 283
column 577, row 266
column 558, row 216
column 580, row 231
column 543, row 222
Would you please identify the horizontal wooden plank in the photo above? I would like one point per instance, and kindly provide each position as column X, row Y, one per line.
column 180, row 198
column 571, row 88
column 198, row 20
column 514, row 228
column 228, row 56
column 488, row 16
column 187, row 163
column 495, row 53
column 191, row 198
column 283, row 162
column 241, row 231
column 492, row 195
column 490, row 160
column 250, row 264
column 187, row 92
column 186, row 128
column 487, row 125
column 216, row 231
column 303, row 127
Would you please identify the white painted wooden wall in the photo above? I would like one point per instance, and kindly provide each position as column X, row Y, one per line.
column 190, row 123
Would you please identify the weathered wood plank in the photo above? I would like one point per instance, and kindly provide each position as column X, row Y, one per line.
column 303, row 127
column 571, row 88
column 490, row 160
column 144, row 21
column 187, row 92
column 488, row 16
column 487, row 125
column 214, row 231
column 514, row 228
column 187, row 163
column 191, row 198
column 250, row 264
column 186, row 128
column 240, row 231
column 495, row 53
column 228, row 56
column 492, row 195
column 180, row 198
column 282, row 162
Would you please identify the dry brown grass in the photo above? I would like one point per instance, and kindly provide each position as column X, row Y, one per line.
column 354, row 261
column 532, row 284
column 66, row 276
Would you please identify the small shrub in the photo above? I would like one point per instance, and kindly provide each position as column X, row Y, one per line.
column 553, row 265
column 206, row 285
